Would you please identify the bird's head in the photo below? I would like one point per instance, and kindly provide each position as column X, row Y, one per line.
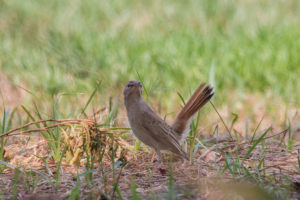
column 133, row 90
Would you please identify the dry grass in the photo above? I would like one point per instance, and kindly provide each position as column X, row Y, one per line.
column 267, row 161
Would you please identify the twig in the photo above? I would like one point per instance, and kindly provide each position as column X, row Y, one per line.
column 284, row 131
column 246, row 142
column 10, row 133
column 42, row 121
column 221, row 119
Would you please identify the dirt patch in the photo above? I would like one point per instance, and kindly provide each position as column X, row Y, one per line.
column 197, row 180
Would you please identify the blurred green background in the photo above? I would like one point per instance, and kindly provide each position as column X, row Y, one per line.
column 56, row 46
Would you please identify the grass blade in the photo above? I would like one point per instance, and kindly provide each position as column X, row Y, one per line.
column 43, row 175
column 8, row 164
column 254, row 134
column 235, row 118
column 228, row 164
column 91, row 97
column 181, row 98
column 142, row 83
column 255, row 144
column 58, row 166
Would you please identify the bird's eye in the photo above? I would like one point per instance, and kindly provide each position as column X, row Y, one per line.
column 129, row 85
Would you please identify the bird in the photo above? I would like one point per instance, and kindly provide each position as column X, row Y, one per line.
column 151, row 129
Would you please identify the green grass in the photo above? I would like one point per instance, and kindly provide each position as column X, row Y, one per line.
column 68, row 46
column 57, row 50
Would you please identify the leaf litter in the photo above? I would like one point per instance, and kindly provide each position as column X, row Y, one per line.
column 224, row 165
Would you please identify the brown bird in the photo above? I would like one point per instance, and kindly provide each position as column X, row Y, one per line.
column 154, row 131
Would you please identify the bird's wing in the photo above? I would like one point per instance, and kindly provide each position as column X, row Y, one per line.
column 161, row 132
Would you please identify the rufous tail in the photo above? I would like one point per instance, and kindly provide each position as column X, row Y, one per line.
column 184, row 118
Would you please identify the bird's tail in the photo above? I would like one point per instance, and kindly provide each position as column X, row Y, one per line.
column 184, row 118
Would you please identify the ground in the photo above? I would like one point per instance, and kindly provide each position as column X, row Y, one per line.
column 271, row 166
